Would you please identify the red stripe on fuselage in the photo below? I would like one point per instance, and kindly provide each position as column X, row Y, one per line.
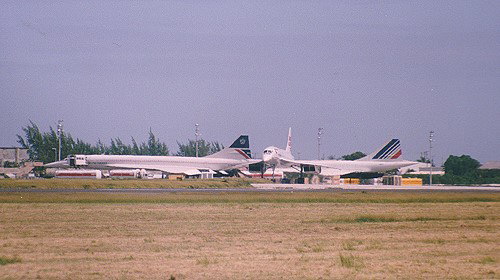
column 77, row 174
column 242, row 153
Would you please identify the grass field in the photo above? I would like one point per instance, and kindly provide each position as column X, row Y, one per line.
column 249, row 236
column 127, row 183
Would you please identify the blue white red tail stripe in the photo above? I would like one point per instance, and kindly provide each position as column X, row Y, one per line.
column 390, row 151
column 385, row 148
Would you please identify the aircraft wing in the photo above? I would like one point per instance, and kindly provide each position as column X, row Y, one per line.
column 327, row 168
column 190, row 171
column 297, row 163
column 335, row 171
column 246, row 163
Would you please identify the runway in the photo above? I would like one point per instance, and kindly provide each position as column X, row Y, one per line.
column 377, row 187
column 270, row 188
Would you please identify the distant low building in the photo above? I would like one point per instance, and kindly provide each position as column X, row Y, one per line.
column 13, row 154
column 422, row 168
column 490, row 165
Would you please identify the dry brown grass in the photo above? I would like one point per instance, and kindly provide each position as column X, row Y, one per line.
column 251, row 197
column 234, row 239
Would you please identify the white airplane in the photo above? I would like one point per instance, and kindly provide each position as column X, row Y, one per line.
column 384, row 159
column 236, row 156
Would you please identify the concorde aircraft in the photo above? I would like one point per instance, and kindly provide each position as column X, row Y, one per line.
column 236, row 156
column 384, row 159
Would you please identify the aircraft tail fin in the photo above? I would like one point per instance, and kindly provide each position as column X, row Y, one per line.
column 240, row 149
column 289, row 141
column 391, row 150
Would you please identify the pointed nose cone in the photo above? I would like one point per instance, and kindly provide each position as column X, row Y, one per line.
column 270, row 155
column 266, row 157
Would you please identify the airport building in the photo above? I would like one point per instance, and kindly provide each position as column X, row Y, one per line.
column 490, row 165
column 422, row 168
column 13, row 154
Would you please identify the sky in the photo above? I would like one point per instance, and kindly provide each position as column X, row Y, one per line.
column 364, row 71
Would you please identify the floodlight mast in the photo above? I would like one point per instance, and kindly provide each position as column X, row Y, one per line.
column 196, row 134
column 431, row 135
column 59, row 135
column 55, row 153
column 320, row 132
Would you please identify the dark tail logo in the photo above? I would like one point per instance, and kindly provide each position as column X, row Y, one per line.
column 241, row 143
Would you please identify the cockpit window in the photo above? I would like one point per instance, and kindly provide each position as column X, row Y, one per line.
column 267, row 152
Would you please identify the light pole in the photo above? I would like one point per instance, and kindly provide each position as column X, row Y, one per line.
column 59, row 135
column 196, row 134
column 431, row 134
column 320, row 132
column 55, row 153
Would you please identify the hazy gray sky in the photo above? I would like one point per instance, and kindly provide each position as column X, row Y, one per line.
column 365, row 71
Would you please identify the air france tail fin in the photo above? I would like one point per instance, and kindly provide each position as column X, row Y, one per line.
column 240, row 149
column 289, row 141
column 391, row 150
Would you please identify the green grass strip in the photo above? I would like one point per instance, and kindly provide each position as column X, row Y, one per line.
column 240, row 198
column 90, row 184
column 7, row 260
column 389, row 219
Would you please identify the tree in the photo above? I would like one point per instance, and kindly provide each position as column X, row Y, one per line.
column 42, row 146
column 33, row 140
column 205, row 148
column 136, row 150
column 155, row 147
column 423, row 159
column 119, row 148
column 354, row 156
column 462, row 165
column 100, row 147
column 10, row 164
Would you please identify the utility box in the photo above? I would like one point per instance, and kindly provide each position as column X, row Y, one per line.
column 124, row 174
column 411, row 182
column 206, row 174
column 175, row 177
column 350, row 181
column 78, row 174
column 371, row 181
column 336, row 180
column 393, row 180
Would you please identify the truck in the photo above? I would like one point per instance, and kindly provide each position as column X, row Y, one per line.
column 78, row 174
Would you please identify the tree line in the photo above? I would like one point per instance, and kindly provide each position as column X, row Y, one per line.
column 42, row 146
column 459, row 170
column 462, row 170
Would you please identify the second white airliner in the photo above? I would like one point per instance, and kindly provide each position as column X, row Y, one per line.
column 384, row 159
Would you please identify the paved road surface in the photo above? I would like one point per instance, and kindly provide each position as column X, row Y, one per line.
column 376, row 188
